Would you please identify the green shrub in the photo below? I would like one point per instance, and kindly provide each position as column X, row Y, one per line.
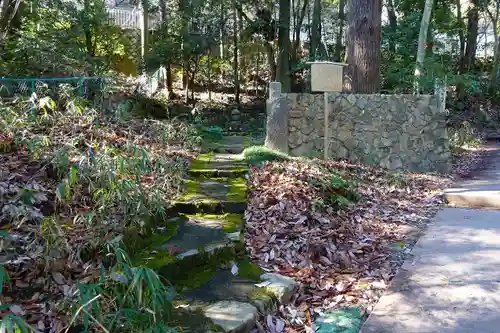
column 260, row 154
column 335, row 191
column 464, row 136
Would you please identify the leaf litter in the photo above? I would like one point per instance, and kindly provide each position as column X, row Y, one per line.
column 48, row 245
column 341, row 254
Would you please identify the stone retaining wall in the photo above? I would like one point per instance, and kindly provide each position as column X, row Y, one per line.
column 393, row 131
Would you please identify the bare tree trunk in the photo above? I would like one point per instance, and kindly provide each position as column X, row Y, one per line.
column 422, row 40
column 221, row 31
column 494, row 20
column 271, row 61
column 364, row 33
column 86, row 29
column 297, row 28
column 461, row 36
column 241, row 56
column 338, row 42
column 314, row 50
column 144, row 32
column 168, row 67
column 284, row 45
column 472, row 31
column 8, row 10
column 393, row 24
column 184, row 36
column 235, row 54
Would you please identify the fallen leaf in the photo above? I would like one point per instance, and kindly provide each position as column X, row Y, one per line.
column 17, row 310
column 58, row 277
column 234, row 269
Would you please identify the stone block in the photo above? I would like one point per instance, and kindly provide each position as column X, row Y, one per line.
column 277, row 120
column 232, row 316
column 281, row 286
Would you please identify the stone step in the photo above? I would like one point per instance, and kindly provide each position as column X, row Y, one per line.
column 201, row 232
column 212, row 195
column 229, row 144
column 475, row 193
column 200, row 260
column 473, row 199
column 218, row 165
column 234, row 301
column 198, row 240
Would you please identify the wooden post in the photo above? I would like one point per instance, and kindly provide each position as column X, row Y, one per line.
column 327, row 131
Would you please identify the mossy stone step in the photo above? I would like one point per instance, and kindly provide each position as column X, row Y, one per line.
column 218, row 165
column 200, row 241
column 248, row 289
column 197, row 233
column 212, row 195
column 229, row 144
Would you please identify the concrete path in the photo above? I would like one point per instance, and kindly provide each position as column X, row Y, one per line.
column 452, row 282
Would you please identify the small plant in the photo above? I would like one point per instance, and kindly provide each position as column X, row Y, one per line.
column 260, row 154
column 336, row 191
column 318, row 204
column 126, row 299
column 398, row 179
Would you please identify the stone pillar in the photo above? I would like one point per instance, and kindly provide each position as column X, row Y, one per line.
column 277, row 120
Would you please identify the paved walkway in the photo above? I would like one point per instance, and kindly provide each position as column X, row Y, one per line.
column 452, row 282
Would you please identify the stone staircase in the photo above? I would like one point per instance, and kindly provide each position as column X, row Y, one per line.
column 200, row 250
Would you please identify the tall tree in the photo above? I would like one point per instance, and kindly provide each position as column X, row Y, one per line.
column 235, row 54
column 422, row 42
column 363, row 49
column 168, row 62
column 393, row 24
column 8, row 10
column 284, row 46
column 472, row 33
column 461, row 35
column 315, row 45
column 299, row 20
column 340, row 33
column 494, row 17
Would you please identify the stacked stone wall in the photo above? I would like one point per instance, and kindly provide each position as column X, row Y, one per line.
column 393, row 131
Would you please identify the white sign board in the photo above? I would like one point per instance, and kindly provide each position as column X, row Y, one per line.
column 327, row 76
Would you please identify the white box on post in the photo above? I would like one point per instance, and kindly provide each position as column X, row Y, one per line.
column 327, row 76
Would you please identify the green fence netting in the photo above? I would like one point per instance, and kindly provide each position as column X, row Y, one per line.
column 83, row 86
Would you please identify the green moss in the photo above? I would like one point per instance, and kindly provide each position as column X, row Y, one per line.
column 232, row 222
column 249, row 270
column 192, row 186
column 159, row 259
column 237, row 190
column 194, row 271
column 259, row 154
column 210, row 173
column 202, row 161
column 247, row 141
column 191, row 320
column 197, row 278
column 263, row 299
column 261, row 294
column 136, row 239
